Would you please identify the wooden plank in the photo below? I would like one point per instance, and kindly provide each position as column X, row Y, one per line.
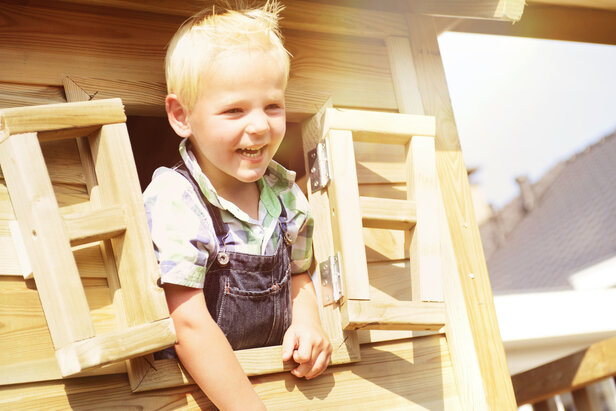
column 54, row 267
column 387, row 213
column 105, row 348
column 27, row 350
column 474, row 308
column 20, row 250
column 567, row 374
column 377, row 127
column 255, row 361
column 63, row 165
column 389, row 281
column 97, row 225
column 545, row 21
column 403, row 74
column 118, row 183
column 323, row 245
column 424, row 251
column 297, row 15
column 19, row 95
column 18, row 120
column 417, row 376
column 385, row 245
column 473, row 9
column 346, row 215
column 408, row 315
column 122, row 56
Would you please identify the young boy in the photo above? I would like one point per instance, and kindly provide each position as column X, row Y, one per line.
column 231, row 230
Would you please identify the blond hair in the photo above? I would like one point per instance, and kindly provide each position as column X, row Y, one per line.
column 198, row 42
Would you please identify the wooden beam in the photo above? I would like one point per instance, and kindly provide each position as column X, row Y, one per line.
column 401, row 315
column 411, row 374
column 20, row 120
column 97, row 225
column 474, row 284
column 546, row 21
column 383, row 128
column 19, row 95
column 566, row 374
column 594, row 4
column 297, row 15
column 46, row 240
column 121, row 55
column 115, row 346
column 510, row 10
column 346, row 214
column 387, row 213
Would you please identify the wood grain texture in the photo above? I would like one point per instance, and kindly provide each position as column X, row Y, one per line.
column 380, row 127
column 424, row 247
column 118, row 183
column 27, row 352
column 115, row 346
column 98, row 225
column 387, row 213
column 122, row 56
column 19, row 95
column 346, row 214
column 546, row 21
column 567, row 374
column 409, row 374
column 18, row 120
column 478, row 300
column 410, row 315
column 46, row 240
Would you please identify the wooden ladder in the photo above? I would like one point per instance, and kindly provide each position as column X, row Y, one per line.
column 333, row 133
column 115, row 216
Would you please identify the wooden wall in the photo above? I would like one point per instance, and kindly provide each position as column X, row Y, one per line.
column 115, row 48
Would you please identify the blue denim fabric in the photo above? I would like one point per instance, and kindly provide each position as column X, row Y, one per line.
column 249, row 296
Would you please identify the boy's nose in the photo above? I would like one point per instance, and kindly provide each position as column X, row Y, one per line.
column 258, row 124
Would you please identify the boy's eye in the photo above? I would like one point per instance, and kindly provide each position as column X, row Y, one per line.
column 274, row 106
column 233, row 111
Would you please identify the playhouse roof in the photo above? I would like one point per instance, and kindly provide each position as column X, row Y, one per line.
column 571, row 226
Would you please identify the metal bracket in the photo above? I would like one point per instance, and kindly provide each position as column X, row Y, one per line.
column 318, row 168
column 331, row 280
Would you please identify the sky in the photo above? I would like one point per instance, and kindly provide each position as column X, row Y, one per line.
column 522, row 105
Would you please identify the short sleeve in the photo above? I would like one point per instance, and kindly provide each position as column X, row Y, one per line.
column 302, row 224
column 180, row 227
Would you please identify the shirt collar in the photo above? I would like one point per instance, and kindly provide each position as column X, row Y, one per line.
column 276, row 180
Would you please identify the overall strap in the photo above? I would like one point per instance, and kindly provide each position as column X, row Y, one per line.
column 214, row 212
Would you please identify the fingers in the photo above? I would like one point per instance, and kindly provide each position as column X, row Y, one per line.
column 313, row 359
column 289, row 343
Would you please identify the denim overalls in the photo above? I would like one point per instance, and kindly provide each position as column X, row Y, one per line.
column 249, row 296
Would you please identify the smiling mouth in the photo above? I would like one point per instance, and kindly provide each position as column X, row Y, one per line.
column 251, row 152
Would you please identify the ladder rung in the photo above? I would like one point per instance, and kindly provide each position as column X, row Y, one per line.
column 19, row 120
column 388, row 213
column 115, row 346
column 66, row 134
column 96, row 225
column 402, row 315
column 379, row 127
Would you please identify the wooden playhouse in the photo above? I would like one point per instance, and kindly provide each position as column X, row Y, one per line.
column 399, row 265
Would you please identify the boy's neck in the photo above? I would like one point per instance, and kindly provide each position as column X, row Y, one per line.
column 245, row 198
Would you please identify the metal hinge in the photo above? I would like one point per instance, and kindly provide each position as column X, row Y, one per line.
column 318, row 168
column 331, row 280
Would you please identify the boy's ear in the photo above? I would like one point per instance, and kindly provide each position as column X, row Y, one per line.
column 177, row 116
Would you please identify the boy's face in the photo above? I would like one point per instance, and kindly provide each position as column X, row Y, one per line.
column 239, row 121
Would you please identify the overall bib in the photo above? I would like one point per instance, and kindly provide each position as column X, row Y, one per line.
column 249, row 296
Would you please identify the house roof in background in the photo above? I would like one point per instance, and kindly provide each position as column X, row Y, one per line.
column 571, row 226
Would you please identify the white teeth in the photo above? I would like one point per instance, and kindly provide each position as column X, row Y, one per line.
column 250, row 152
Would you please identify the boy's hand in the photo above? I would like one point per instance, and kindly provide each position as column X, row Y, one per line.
column 309, row 346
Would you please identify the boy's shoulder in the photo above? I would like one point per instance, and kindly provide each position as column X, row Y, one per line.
column 168, row 182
